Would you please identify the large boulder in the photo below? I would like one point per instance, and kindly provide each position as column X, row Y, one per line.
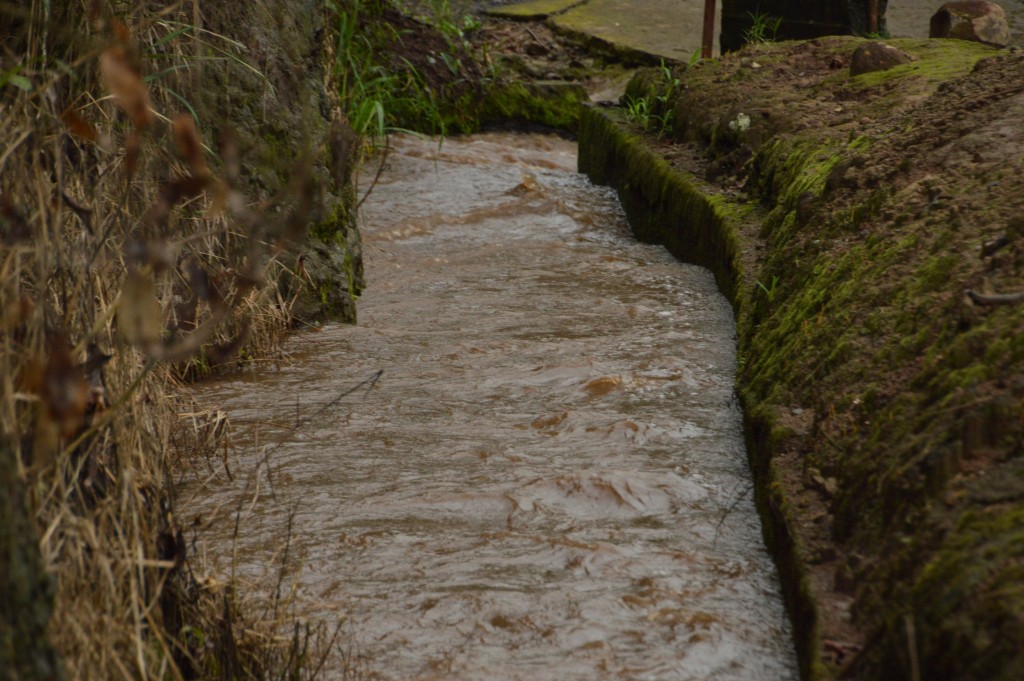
column 977, row 20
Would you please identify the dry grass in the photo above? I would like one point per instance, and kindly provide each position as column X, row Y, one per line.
column 129, row 260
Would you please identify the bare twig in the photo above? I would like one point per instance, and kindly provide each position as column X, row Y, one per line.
column 380, row 171
column 995, row 298
column 732, row 507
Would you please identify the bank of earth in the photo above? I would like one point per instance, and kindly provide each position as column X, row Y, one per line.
column 869, row 231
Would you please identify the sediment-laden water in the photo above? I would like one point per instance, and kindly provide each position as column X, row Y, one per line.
column 548, row 479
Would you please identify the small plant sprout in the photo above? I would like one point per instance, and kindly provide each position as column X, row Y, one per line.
column 770, row 289
column 763, row 28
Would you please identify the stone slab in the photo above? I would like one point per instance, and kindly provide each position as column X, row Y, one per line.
column 534, row 10
column 663, row 28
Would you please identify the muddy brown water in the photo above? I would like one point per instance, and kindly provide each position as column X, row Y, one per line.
column 547, row 481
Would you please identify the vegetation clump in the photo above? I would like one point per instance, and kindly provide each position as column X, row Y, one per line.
column 131, row 257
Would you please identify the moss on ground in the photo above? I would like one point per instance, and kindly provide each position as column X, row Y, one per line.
column 877, row 193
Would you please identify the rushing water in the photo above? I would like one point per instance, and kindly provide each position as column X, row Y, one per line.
column 548, row 479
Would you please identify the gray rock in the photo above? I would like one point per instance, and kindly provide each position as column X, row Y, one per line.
column 977, row 20
column 876, row 56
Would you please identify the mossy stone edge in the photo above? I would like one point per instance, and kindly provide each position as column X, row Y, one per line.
column 672, row 208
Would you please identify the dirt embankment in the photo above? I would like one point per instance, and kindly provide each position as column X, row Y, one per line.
column 877, row 261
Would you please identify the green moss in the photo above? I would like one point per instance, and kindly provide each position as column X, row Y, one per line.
column 866, row 324
column 332, row 229
column 973, row 586
column 935, row 272
column 935, row 61
column 554, row 104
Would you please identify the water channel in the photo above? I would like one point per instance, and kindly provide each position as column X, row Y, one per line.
column 548, row 480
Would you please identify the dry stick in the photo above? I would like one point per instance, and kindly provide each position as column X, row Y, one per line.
column 915, row 665
column 732, row 507
column 369, row 382
column 995, row 298
column 284, row 560
column 326, row 651
column 11, row 147
column 380, row 171
column 265, row 461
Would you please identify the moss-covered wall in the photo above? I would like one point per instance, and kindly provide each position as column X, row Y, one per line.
column 663, row 206
column 275, row 96
column 677, row 210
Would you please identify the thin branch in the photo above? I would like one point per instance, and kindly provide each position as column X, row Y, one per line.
column 995, row 298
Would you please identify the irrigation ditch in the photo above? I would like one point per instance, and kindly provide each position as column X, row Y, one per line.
column 866, row 229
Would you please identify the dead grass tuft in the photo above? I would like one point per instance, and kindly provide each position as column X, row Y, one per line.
column 129, row 261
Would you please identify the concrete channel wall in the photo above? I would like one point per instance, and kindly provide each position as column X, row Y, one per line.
column 675, row 209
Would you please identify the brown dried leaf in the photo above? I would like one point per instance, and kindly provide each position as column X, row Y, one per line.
column 121, row 32
column 65, row 391
column 78, row 126
column 131, row 153
column 189, row 146
column 17, row 228
column 183, row 189
column 229, row 155
column 125, row 82
column 221, row 198
column 343, row 145
column 139, row 316
column 228, row 351
column 173, row 191
column 297, row 222
column 161, row 255
column 199, row 280
column 15, row 315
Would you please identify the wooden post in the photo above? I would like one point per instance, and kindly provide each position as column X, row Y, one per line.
column 708, row 41
column 873, row 16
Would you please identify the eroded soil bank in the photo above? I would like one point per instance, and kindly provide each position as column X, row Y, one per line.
column 869, row 231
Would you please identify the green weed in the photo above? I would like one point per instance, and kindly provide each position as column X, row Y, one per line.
column 655, row 113
column 376, row 98
column 763, row 28
column 769, row 290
